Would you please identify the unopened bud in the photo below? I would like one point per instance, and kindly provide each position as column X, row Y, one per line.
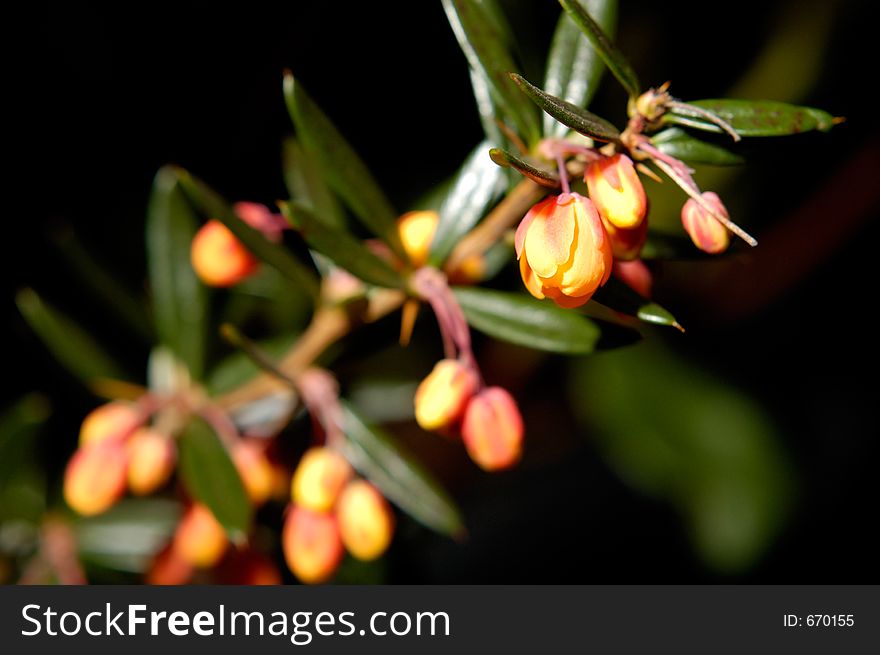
column 442, row 396
column 199, row 538
column 312, row 545
column 635, row 275
column 493, row 429
column 151, row 458
column 319, row 478
column 366, row 522
column 707, row 233
column 416, row 231
column 95, row 477
column 111, row 420
column 219, row 258
column 255, row 470
column 617, row 191
column 261, row 218
column 626, row 245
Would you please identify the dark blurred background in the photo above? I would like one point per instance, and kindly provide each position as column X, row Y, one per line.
column 103, row 97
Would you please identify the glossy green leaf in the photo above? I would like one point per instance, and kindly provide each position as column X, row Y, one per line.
column 577, row 118
column 757, row 117
column 686, row 147
column 72, row 346
column 574, row 68
column 620, row 297
column 549, row 179
column 613, row 58
column 399, row 476
column 212, row 205
column 211, row 478
column 180, row 301
column 340, row 165
column 483, row 38
column 477, row 186
column 522, row 320
column 341, row 247
column 306, row 186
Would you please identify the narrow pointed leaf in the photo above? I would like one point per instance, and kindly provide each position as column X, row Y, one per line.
column 399, row 476
column 180, row 301
column 549, row 179
column 577, row 118
column 619, row 297
column 306, row 186
column 522, row 320
column 487, row 109
column 758, row 117
column 686, row 147
column 613, row 58
column 574, row 68
column 211, row 478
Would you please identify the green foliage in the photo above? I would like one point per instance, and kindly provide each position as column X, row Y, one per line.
column 682, row 145
column 22, row 484
column 621, row 298
column 549, row 179
column 757, row 117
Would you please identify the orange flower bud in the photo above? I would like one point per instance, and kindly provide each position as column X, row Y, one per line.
column 416, row 231
column 366, row 522
column 635, row 275
column 617, row 191
column 95, row 477
column 626, row 244
column 151, row 457
column 312, row 546
column 493, row 429
column 255, row 470
column 319, row 478
column 563, row 250
column 471, row 269
column 707, row 233
column 442, row 396
column 199, row 538
column 168, row 568
column 218, row 258
column 116, row 419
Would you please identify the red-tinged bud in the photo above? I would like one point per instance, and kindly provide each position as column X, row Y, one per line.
column 95, row 477
column 617, row 191
column 219, row 258
column 168, row 568
column 114, row 420
column 255, row 470
column 563, row 250
column 151, row 459
column 416, row 231
column 493, row 429
column 248, row 567
column 312, row 545
column 366, row 522
column 319, row 478
column 707, row 233
column 199, row 538
column 636, row 276
column 261, row 218
column 626, row 245
column 442, row 396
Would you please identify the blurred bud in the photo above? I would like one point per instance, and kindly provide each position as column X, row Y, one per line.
column 151, row 458
column 117, row 420
column 493, row 429
column 248, row 567
column 635, row 275
column 319, row 478
column 707, row 233
column 416, row 233
column 617, row 191
column 95, row 477
column 626, row 244
column 563, row 250
column 168, row 568
column 366, row 522
column 255, row 470
column 340, row 286
column 472, row 269
column 312, row 546
column 261, row 218
column 199, row 538
column 219, row 258
column 442, row 396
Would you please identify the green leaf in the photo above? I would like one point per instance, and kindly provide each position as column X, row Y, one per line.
column 345, row 250
column 476, row 188
column 212, row 205
column 757, row 117
column 620, row 297
column 18, row 428
column 549, row 179
column 487, row 109
column 398, row 475
column 212, row 479
column 239, row 367
column 613, row 58
column 578, row 119
column 306, row 186
column 180, row 301
column 686, row 147
column 340, row 165
column 574, row 68
column 72, row 346
column 523, row 320
column 483, row 38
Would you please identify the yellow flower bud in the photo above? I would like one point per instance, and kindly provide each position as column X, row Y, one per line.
column 493, row 429
column 199, row 539
column 219, row 258
column 563, row 250
column 95, row 477
column 255, row 470
column 111, row 420
column 319, row 478
column 416, row 231
column 311, row 543
column 366, row 522
column 442, row 396
column 617, row 191
column 707, row 233
column 151, row 457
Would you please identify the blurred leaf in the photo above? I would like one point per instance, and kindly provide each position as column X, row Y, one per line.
column 18, row 427
column 521, row 319
column 212, row 479
column 239, row 367
column 757, row 117
column 486, row 108
column 574, row 68
column 399, row 477
column 180, row 302
column 303, row 179
column 72, row 346
column 340, row 165
column 483, row 38
column 476, row 188
column 22, row 482
column 613, row 58
column 549, row 179
column 681, row 145
column 266, row 416
column 673, row 432
column 578, row 119
column 341, row 247
column 620, row 297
